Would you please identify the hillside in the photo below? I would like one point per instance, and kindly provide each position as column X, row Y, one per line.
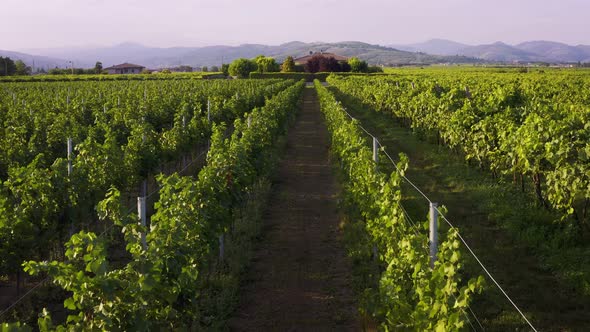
column 530, row 51
column 553, row 50
column 429, row 52
column 501, row 52
column 434, row 46
column 36, row 61
column 154, row 57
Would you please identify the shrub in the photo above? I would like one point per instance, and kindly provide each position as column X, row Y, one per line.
column 309, row 77
column 357, row 65
column 242, row 67
column 288, row 66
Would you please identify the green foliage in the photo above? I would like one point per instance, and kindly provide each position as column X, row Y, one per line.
column 288, row 65
column 65, row 75
column 225, row 69
column 16, row 327
column 374, row 69
column 309, row 77
column 30, row 203
column 241, row 68
column 72, row 71
column 98, row 67
column 357, row 65
column 410, row 295
column 122, row 132
column 21, row 68
column 158, row 289
column 517, row 125
column 266, row 64
column 7, row 66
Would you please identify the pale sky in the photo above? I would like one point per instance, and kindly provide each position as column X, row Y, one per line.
column 27, row 24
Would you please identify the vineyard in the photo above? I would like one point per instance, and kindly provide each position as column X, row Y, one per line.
column 510, row 147
column 141, row 204
column 527, row 128
column 124, row 134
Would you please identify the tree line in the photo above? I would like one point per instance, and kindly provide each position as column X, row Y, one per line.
column 239, row 68
column 9, row 67
column 242, row 67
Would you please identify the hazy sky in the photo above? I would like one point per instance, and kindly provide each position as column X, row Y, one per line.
column 30, row 24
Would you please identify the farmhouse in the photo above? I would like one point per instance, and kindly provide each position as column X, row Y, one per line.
column 304, row 59
column 125, row 68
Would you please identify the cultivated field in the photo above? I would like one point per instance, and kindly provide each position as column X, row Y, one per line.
column 265, row 204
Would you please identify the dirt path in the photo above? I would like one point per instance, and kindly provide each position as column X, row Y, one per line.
column 300, row 279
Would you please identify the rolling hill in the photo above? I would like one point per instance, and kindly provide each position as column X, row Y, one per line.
column 429, row 52
column 154, row 57
column 531, row 51
column 434, row 46
column 36, row 61
column 501, row 52
column 553, row 50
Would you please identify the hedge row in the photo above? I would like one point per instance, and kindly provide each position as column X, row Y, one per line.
column 112, row 77
column 308, row 77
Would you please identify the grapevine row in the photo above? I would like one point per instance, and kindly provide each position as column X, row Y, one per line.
column 123, row 132
column 410, row 294
column 520, row 127
column 159, row 287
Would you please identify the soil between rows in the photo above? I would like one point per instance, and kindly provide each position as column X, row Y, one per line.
column 300, row 277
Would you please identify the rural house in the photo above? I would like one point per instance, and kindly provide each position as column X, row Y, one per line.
column 304, row 59
column 125, row 68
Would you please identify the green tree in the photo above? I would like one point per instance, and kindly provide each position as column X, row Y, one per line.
column 214, row 69
column 242, row 67
column 266, row 64
column 58, row 71
column 225, row 69
column 7, row 66
column 375, row 69
column 204, row 69
column 185, row 69
column 98, row 67
column 289, row 65
column 22, row 68
column 357, row 65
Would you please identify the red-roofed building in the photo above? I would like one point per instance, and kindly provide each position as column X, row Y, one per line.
column 303, row 60
column 125, row 68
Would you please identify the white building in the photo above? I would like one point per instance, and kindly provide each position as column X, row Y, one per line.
column 125, row 68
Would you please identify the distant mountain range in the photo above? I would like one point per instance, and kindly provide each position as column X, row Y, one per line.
column 153, row 57
column 429, row 52
column 532, row 51
column 35, row 60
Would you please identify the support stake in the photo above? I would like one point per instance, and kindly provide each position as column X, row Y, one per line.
column 208, row 110
column 221, row 246
column 376, row 160
column 433, row 233
column 70, row 156
column 141, row 211
column 375, row 151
